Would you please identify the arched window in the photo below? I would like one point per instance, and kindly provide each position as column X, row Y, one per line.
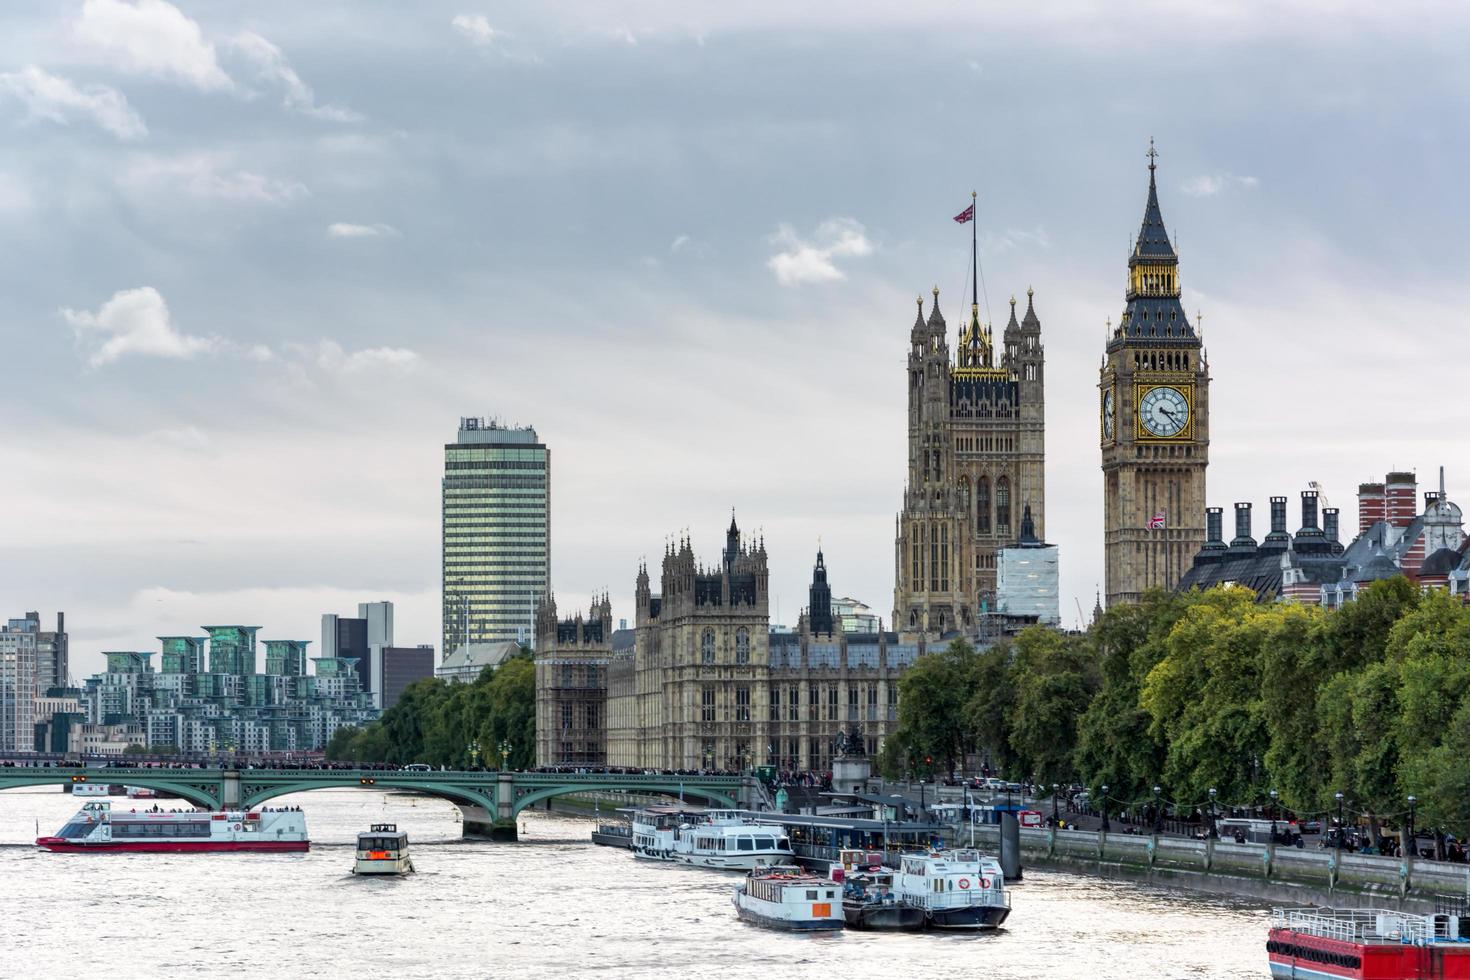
column 982, row 505
column 742, row 646
column 965, row 492
column 707, row 647
column 1003, row 504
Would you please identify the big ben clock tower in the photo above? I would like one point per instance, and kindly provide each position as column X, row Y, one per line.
column 1154, row 424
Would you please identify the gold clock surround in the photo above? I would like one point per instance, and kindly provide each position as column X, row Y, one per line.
column 1142, row 388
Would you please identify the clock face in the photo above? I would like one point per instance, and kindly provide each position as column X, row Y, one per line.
column 1164, row 411
column 1107, row 414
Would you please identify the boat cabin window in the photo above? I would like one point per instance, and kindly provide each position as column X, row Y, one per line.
column 766, row 843
column 747, row 843
column 133, row 830
column 77, row 828
column 811, row 894
column 377, row 843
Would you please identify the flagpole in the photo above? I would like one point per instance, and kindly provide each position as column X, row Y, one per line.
column 974, row 255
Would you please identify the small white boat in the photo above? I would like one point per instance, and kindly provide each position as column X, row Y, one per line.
column 141, row 793
column 382, row 850
column 786, row 897
column 728, row 841
column 89, row 789
column 958, row 889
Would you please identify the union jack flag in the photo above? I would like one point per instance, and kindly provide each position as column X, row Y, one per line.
column 1156, row 523
column 966, row 215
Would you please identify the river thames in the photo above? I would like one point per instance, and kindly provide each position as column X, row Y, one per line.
column 550, row 906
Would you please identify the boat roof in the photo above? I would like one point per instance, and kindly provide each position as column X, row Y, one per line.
column 787, row 874
column 843, row 823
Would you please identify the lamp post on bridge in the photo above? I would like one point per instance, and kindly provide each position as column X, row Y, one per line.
column 1158, row 812
column 1341, row 828
column 1214, row 826
column 474, row 749
column 504, row 754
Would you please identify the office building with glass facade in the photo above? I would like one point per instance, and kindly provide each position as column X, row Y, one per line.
column 496, row 533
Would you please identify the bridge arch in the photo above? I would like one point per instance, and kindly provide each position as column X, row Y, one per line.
column 256, row 792
column 202, row 794
column 536, row 796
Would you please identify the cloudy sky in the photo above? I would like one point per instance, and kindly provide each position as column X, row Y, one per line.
column 258, row 259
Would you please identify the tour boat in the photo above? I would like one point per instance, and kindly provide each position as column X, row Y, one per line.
column 957, row 889
column 382, row 850
column 655, row 828
column 870, row 901
column 89, row 789
column 141, row 793
column 786, row 897
column 98, row 827
column 729, row 842
column 1368, row 944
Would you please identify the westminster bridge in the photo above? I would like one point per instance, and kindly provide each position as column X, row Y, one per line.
column 489, row 800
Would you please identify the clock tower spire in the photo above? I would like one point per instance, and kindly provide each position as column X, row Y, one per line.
column 1154, row 425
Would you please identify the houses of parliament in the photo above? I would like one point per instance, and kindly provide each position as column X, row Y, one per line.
column 702, row 679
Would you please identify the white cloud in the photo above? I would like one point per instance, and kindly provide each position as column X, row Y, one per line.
column 345, row 229
column 57, row 99
column 330, row 356
column 209, row 175
column 134, row 321
column 1210, row 185
column 679, row 243
column 804, row 261
column 149, row 37
column 271, row 65
column 476, row 27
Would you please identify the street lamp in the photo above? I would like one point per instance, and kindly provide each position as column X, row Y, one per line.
column 1214, row 827
column 474, row 748
column 1105, row 808
column 1055, row 817
column 1341, row 830
column 1411, row 846
column 504, row 753
column 1273, row 816
column 1158, row 812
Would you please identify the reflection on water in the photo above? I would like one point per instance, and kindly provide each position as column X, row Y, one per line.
column 551, row 906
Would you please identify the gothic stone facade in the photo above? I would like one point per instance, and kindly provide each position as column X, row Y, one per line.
column 706, row 685
column 1154, row 423
column 571, row 684
column 977, row 446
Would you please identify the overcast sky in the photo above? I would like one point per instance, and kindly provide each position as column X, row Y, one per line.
column 258, row 260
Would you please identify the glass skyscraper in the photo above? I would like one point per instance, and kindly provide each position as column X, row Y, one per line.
column 497, row 533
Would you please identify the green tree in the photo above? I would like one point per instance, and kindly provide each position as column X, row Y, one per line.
column 932, row 720
column 1115, row 744
column 1055, row 678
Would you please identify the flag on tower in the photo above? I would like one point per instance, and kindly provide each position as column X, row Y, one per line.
column 966, row 215
column 1157, row 523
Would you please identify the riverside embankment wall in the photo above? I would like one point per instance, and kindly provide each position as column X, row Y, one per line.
column 1280, row 875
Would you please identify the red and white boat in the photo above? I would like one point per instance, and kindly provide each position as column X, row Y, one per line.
column 97, row 827
column 1368, row 944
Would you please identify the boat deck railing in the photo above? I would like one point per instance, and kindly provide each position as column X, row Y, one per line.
column 941, row 901
column 1363, row 925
